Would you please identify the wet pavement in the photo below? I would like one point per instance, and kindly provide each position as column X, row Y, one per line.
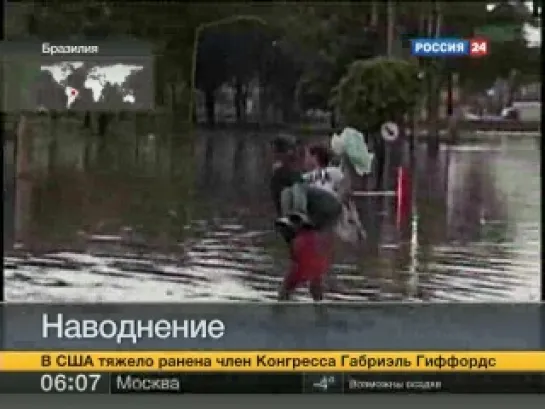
column 148, row 220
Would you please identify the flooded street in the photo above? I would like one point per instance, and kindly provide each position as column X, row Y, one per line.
column 149, row 220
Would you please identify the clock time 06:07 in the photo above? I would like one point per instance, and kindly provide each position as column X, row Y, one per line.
column 71, row 383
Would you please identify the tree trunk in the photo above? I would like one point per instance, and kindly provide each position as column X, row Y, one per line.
column 450, row 92
column 434, row 85
column 159, row 82
column 239, row 101
column 194, row 118
column 390, row 34
column 437, row 18
column 23, row 181
column 104, row 120
column 264, row 105
column 333, row 119
column 173, row 96
column 286, row 113
column 512, row 88
column 87, row 120
column 380, row 152
column 373, row 21
column 210, row 104
column 422, row 24
column 244, row 103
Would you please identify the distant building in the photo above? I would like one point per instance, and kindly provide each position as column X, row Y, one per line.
column 530, row 92
column 527, row 102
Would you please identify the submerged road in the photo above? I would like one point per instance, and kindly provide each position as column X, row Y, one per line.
column 98, row 236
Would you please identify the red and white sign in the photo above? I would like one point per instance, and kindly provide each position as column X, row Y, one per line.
column 478, row 47
column 389, row 131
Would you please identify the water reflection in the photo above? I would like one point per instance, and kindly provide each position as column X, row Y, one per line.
column 161, row 222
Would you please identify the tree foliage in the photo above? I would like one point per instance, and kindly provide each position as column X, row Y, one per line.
column 328, row 42
column 465, row 20
column 298, row 52
column 377, row 90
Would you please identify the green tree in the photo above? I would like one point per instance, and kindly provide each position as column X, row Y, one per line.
column 377, row 90
column 467, row 20
column 325, row 41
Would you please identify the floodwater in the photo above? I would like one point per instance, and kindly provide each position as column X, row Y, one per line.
column 152, row 219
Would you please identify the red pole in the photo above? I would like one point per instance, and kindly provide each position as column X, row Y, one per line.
column 403, row 196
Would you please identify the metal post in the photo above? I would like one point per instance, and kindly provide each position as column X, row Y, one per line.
column 389, row 133
column 386, row 175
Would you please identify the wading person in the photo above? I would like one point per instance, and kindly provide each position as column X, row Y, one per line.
column 310, row 259
column 333, row 179
column 307, row 261
column 324, row 187
column 311, row 208
column 286, row 173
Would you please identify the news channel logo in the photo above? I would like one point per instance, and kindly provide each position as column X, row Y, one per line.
column 449, row 47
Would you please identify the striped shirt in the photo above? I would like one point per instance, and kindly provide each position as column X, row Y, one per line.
column 328, row 178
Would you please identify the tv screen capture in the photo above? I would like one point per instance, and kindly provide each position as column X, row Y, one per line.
column 317, row 198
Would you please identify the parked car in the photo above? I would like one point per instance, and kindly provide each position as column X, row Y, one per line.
column 525, row 110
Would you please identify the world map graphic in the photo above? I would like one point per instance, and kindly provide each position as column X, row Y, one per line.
column 83, row 86
column 96, row 80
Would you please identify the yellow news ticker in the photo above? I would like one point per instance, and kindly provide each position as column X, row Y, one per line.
column 273, row 361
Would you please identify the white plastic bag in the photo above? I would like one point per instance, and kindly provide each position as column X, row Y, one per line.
column 349, row 228
column 351, row 143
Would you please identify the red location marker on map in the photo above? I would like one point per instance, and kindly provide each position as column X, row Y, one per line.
column 71, row 94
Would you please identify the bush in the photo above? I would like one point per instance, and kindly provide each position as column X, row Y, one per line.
column 375, row 91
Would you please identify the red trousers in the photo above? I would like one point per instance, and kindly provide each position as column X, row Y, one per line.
column 311, row 258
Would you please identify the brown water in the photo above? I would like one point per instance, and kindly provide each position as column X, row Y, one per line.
column 120, row 221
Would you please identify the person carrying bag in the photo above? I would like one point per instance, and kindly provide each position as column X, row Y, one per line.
column 356, row 161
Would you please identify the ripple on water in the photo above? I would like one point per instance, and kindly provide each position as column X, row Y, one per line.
column 229, row 259
column 229, row 273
